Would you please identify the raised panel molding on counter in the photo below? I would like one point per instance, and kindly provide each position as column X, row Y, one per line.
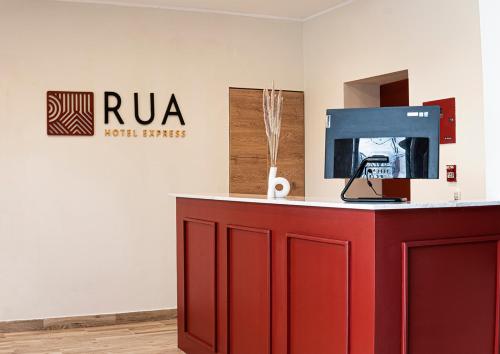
column 318, row 321
column 198, row 310
column 434, row 272
column 248, row 290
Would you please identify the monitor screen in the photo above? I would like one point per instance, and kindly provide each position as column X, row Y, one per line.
column 408, row 136
column 408, row 157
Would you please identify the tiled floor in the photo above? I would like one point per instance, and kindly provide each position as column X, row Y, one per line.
column 137, row 338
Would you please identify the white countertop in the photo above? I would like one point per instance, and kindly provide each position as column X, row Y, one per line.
column 331, row 203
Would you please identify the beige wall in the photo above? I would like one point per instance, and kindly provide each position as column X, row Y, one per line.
column 86, row 224
column 490, row 33
column 437, row 41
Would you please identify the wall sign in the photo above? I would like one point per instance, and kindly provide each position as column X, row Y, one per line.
column 72, row 114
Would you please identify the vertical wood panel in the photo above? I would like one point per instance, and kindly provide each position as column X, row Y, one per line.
column 200, row 283
column 291, row 155
column 248, row 143
column 450, row 296
column 249, row 290
column 318, row 295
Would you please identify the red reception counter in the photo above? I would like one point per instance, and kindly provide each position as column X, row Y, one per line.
column 311, row 277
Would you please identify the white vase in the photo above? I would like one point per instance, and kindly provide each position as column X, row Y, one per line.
column 274, row 181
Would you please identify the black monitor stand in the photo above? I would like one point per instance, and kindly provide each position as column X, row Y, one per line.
column 358, row 174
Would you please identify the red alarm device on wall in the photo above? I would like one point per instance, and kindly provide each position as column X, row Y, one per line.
column 448, row 119
column 451, row 173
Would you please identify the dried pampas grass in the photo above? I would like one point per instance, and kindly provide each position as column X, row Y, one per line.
column 272, row 102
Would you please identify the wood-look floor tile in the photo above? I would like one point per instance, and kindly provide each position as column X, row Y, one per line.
column 156, row 337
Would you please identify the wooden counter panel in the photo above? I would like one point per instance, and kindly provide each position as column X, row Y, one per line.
column 318, row 295
column 254, row 243
column 440, row 266
column 301, row 279
column 198, row 313
column 249, row 290
column 450, row 296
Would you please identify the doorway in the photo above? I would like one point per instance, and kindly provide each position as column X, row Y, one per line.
column 388, row 90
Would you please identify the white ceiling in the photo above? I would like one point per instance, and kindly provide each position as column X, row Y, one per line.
column 298, row 10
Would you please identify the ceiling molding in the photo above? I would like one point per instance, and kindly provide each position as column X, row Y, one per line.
column 218, row 12
column 185, row 9
column 324, row 12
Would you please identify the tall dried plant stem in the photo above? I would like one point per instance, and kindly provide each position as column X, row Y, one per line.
column 272, row 102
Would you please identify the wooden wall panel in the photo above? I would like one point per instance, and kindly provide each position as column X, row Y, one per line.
column 248, row 143
column 200, row 306
column 248, row 175
column 450, row 299
column 317, row 295
column 249, row 290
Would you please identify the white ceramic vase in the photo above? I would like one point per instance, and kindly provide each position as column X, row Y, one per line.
column 274, row 181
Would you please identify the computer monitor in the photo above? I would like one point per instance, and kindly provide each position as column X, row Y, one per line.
column 392, row 142
column 407, row 136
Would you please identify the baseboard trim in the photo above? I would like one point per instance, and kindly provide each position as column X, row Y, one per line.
column 87, row 321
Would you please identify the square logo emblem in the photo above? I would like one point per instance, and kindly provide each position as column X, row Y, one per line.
column 70, row 113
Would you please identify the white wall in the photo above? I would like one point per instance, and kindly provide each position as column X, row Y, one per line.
column 437, row 41
column 490, row 35
column 86, row 224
